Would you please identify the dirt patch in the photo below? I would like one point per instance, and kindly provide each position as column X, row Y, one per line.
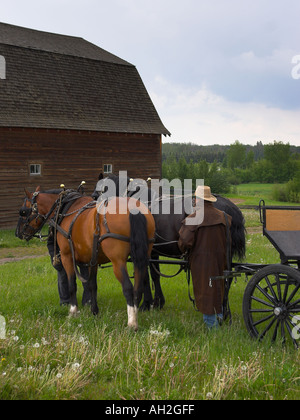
column 237, row 201
column 11, row 260
column 8, row 255
column 254, row 229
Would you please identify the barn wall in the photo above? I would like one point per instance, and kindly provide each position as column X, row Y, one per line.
column 68, row 157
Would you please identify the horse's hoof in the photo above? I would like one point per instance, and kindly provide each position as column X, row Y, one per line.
column 159, row 303
column 146, row 306
column 132, row 317
column 95, row 311
column 73, row 310
column 133, row 327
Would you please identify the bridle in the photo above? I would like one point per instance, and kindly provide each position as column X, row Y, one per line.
column 31, row 214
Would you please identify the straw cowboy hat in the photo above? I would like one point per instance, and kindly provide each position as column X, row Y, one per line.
column 205, row 193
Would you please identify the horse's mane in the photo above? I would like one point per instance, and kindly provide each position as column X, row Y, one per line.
column 54, row 191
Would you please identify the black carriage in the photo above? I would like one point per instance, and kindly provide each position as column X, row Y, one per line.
column 271, row 304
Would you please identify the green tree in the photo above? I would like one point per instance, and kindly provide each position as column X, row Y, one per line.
column 236, row 155
column 249, row 159
column 278, row 155
column 182, row 169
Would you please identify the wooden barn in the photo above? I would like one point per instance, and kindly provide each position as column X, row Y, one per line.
column 68, row 110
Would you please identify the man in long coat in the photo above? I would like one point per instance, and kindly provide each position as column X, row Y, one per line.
column 207, row 246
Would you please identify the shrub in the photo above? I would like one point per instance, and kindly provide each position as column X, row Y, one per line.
column 280, row 193
column 218, row 183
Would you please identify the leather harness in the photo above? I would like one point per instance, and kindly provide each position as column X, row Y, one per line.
column 65, row 200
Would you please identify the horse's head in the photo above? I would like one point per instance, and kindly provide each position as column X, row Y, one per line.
column 32, row 216
column 120, row 186
column 111, row 186
column 100, row 187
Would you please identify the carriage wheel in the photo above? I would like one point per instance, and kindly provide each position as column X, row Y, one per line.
column 271, row 304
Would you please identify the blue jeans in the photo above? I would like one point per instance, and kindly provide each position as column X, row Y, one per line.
column 212, row 321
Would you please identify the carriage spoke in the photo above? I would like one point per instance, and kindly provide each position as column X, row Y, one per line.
column 262, row 301
column 269, row 297
column 271, row 288
column 268, row 327
column 293, row 294
column 293, row 304
column 278, row 288
column 275, row 331
column 257, row 311
column 260, row 321
column 287, row 321
column 286, row 289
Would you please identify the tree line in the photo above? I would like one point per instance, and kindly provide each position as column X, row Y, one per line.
column 224, row 166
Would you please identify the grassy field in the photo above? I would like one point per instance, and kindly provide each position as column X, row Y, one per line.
column 252, row 193
column 48, row 355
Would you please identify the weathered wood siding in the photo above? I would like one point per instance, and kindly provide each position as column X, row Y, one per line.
column 68, row 157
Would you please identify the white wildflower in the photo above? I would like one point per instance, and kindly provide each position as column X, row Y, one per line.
column 75, row 366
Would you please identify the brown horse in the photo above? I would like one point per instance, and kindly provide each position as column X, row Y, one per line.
column 94, row 234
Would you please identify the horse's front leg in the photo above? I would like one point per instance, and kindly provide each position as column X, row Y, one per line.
column 69, row 268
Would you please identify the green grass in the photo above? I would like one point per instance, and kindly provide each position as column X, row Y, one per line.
column 9, row 240
column 48, row 355
column 252, row 193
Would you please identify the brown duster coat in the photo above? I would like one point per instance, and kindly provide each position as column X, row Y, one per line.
column 207, row 244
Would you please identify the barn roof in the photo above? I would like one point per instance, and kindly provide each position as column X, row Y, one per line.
column 64, row 82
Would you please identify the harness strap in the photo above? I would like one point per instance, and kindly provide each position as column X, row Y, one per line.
column 114, row 236
column 108, row 233
column 97, row 240
column 68, row 236
column 53, row 224
column 82, row 279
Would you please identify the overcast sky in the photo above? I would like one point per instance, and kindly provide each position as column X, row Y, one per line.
column 216, row 70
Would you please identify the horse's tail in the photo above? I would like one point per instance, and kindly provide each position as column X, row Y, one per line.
column 238, row 230
column 139, row 242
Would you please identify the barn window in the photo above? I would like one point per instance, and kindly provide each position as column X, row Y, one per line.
column 35, row 169
column 108, row 168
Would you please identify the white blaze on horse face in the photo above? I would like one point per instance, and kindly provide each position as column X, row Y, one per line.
column 132, row 317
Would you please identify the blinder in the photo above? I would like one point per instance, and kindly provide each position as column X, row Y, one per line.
column 25, row 212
